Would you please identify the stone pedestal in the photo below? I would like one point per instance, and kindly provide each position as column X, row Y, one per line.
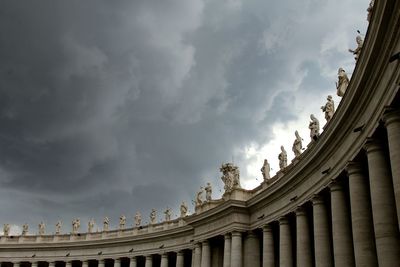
column 251, row 250
column 236, row 251
column 341, row 228
column 303, row 242
column 383, row 205
column 227, row 250
column 322, row 241
column 361, row 217
column 268, row 247
column 392, row 123
column 285, row 244
column 205, row 254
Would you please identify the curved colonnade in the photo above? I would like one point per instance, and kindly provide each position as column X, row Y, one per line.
column 339, row 205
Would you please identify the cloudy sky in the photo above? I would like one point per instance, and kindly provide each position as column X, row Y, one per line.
column 113, row 107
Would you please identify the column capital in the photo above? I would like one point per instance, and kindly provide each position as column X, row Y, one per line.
column 180, row 253
column 236, row 233
column 133, row 258
column 150, row 257
column 197, row 245
column 267, row 228
column 227, row 236
column 391, row 115
column 117, row 260
column 164, row 255
column 251, row 233
column 317, row 200
column 354, row 167
column 283, row 220
column 300, row 211
column 205, row 242
column 335, row 186
column 373, row 145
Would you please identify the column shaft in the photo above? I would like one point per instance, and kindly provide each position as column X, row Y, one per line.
column 101, row 263
column 236, row 251
column 341, row 228
column 361, row 217
column 268, row 247
column 322, row 241
column 205, row 254
column 392, row 123
column 53, row 264
column 133, row 262
column 227, row 250
column 149, row 261
column 117, row 262
column 180, row 261
column 164, row 260
column 303, row 242
column 251, row 250
column 197, row 255
column 383, row 203
column 285, row 244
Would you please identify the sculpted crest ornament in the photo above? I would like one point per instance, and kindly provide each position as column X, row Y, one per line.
column 230, row 177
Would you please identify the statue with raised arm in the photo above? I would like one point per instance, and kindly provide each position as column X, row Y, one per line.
column 41, row 227
column 25, row 227
column 138, row 219
column 282, row 158
column 6, row 229
column 265, row 170
column 199, row 197
column 329, row 108
column 167, row 214
column 153, row 216
column 106, row 224
column 76, row 223
column 184, row 209
column 297, row 145
column 208, row 190
column 90, row 225
column 343, row 82
column 230, row 177
column 122, row 222
column 314, row 127
column 369, row 10
column 356, row 52
column 58, row 227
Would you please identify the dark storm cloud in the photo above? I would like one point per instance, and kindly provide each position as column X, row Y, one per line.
column 108, row 107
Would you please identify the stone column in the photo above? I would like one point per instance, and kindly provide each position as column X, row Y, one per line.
column 227, row 250
column 101, row 263
column 322, row 241
column 193, row 257
column 285, row 243
column 341, row 227
column 361, row 217
column 303, row 242
column 164, row 260
column 392, row 123
column 149, row 261
column 133, row 262
column 117, row 262
column 53, row 264
column 236, row 250
column 205, row 254
column 197, row 255
column 34, row 264
column 68, row 264
column 251, row 250
column 180, row 260
column 383, row 203
column 268, row 247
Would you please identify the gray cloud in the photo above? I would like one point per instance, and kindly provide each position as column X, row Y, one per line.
column 112, row 107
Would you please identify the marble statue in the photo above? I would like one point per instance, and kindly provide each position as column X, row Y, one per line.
column 230, row 177
column 76, row 223
column 329, row 108
column 168, row 214
column 58, row 227
column 356, row 52
column 106, row 224
column 42, row 228
column 138, row 219
column 314, row 127
column 208, row 190
column 122, row 222
column 184, row 209
column 6, row 229
column 199, row 197
column 153, row 216
column 25, row 229
column 265, row 170
column 342, row 83
column 282, row 158
column 297, row 145
column 90, row 225
column 369, row 9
